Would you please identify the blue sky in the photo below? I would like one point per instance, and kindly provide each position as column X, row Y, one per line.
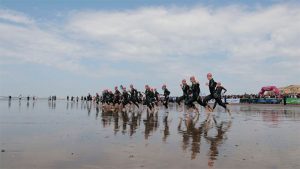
column 52, row 47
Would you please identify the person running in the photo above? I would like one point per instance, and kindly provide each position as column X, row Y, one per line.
column 117, row 96
column 125, row 97
column 156, row 97
column 212, row 89
column 148, row 97
column 134, row 96
column 185, row 89
column 194, row 92
column 97, row 98
column 166, row 95
column 218, row 93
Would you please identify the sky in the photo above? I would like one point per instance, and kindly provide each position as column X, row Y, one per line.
column 62, row 47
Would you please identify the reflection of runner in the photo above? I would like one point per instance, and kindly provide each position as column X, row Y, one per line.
column 151, row 124
column 217, row 140
column 191, row 131
column 166, row 127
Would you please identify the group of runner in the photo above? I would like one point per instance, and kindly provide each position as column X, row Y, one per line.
column 191, row 93
column 151, row 98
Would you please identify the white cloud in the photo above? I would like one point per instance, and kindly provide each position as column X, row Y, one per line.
column 173, row 42
column 15, row 17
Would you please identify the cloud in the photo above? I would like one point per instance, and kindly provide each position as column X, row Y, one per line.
column 15, row 17
column 255, row 46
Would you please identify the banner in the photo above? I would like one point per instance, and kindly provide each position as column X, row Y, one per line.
column 269, row 101
column 293, row 100
column 262, row 100
column 230, row 101
column 234, row 101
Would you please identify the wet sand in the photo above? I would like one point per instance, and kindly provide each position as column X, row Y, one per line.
column 65, row 135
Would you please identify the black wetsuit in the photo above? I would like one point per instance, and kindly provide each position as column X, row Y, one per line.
column 134, row 97
column 212, row 89
column 110, row 98
column 104, row 96
column 89, row 97
column 218, row 94
column 149, row 98
column 97, row 98
column 167, row 95
column 156, row 97
column 140, row 97
column 185, row 90
column 125, row 98
column 117, row 97
column 194, row 92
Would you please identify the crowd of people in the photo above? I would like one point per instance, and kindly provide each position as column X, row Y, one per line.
column 257, row 96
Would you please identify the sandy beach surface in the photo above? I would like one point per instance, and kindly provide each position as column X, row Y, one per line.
column 70, row 135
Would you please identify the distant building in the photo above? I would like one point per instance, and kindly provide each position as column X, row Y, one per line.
column 291, row 89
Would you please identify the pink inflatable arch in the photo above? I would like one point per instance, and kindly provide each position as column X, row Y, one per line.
column 269, row 88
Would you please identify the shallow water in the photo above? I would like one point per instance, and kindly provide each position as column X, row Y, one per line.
column 67, row 135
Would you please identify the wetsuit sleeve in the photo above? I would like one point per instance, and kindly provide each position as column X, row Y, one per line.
column 225, row 90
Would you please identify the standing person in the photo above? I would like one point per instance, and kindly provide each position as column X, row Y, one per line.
column 67, row 98
column 212, row 89
column 284, row 99
column 218, row 93
column 185, row 88
column 166, row 95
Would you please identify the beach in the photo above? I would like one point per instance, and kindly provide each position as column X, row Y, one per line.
column 77, row 135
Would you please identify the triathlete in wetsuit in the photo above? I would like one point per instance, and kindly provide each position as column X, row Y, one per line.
column 148, row 96
column 212, row 89
column 117, row 96
column 156, row 97
column 185, row 89
column 104, row 96
column 218, row 93
column 110, row 97
column 194, row 95
column 166, row 95
column 125, row 97
column 97, row 98
column 134, row 96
